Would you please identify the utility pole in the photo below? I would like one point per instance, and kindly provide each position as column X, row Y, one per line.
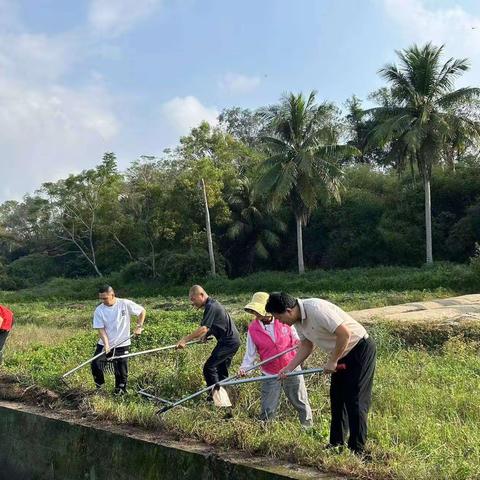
column 209, row 231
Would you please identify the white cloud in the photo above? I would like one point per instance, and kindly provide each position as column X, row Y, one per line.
column 237, row 83
column 36, row 57
column 113, row 17
column 47, row 129
column 50, row 132
column 454, row 27
column 184, row 113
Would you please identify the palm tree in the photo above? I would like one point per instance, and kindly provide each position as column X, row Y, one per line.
column 257, row 231
column 425, row 116
column 301, row 165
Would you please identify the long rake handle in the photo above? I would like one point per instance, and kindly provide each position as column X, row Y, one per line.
column 86, row 362
column 233, row 377
column 263, row 378
column 153, row 350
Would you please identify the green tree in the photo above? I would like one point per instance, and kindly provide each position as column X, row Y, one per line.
column 424, row 117
column 302, row 162
column 82, row 206
column 256, row 232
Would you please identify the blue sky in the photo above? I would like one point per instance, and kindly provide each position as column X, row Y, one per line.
column 78, row 78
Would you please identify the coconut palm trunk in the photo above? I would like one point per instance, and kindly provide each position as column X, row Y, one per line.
column 428, row 219
column 209, row 230
column 301, row 264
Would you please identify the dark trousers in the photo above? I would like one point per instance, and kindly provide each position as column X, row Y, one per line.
column 3, row 339
column 350, row 396
column 216, row 366
column 120, row 367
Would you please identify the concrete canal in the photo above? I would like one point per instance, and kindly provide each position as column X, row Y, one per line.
column 36, row 444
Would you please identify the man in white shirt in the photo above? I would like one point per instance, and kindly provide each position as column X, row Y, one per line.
column 112, row 321
column 267, row 337
column 327, row 326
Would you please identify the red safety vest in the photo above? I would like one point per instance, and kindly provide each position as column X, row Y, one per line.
column 7, row 316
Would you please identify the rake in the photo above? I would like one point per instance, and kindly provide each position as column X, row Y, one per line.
column 263, row 378
column 153, row 350
column 90, row 360
column 233, row 377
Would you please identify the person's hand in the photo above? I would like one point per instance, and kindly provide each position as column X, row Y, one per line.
column 138, row 330
column 181, row 344
column 282, row 374
column 242, row 372
column 330, row 367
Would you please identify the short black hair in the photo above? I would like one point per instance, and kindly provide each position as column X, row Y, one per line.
column 278, row 302
column 105, row 289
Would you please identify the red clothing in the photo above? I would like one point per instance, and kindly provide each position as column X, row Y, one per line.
column 7, row 316
column 267, row 348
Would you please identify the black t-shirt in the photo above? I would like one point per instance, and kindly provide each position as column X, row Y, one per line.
column 219, row 322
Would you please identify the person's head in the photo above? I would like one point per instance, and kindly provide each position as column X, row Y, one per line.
column 198, row 296
column 284, row 307
column 106, row 295
column 256, row 307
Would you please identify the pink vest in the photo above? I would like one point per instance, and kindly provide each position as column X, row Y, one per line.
column 267, row 348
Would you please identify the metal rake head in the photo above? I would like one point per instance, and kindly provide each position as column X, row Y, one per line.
column 106, row 365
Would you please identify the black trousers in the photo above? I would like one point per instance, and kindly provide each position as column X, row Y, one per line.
column 3, row 339
column 350, row 396
column 120, row 367
column 216, row 366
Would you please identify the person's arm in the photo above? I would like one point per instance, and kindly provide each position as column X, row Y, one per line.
column 140, row 320
column 1, row 321
column 198, row 333
column 342, row 337
column 207, row 322
column 303, row 352
column 103, row 335
column 138, row 311
column 249, row 357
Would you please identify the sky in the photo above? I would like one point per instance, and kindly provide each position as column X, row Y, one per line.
column 82, row 77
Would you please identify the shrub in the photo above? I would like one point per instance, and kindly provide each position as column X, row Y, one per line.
column 32, row 269
column 176, row 268
column 135, row 271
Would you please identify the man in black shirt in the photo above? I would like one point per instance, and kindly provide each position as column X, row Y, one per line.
column 217, row 322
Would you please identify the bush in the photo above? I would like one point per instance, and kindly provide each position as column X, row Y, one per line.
column 32, row 269
column 138, row 271
column 177, row 268
column 475, row 260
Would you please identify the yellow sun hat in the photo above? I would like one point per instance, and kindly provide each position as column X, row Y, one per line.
column 257, row 303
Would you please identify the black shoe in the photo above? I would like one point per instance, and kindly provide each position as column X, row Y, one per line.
column 120, row 391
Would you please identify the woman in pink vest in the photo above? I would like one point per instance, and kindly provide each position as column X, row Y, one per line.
column 266, row 337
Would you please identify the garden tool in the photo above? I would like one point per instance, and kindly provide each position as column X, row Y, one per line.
column 220, row 397
column 153, row 350
column 153, row 397
column 90, row 360
column 262, row 378
column 211, row 387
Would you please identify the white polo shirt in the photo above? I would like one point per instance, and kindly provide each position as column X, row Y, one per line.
column 116, row 320
column 319, row 321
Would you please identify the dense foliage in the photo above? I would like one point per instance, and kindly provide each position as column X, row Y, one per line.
column 287, row 183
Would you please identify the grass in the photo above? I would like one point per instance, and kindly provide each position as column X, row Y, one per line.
column 425, row 413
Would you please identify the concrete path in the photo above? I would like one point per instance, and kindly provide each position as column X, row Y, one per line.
column 455, row 309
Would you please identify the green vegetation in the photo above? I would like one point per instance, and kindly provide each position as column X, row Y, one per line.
column 298, row 182
column 424, row 421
